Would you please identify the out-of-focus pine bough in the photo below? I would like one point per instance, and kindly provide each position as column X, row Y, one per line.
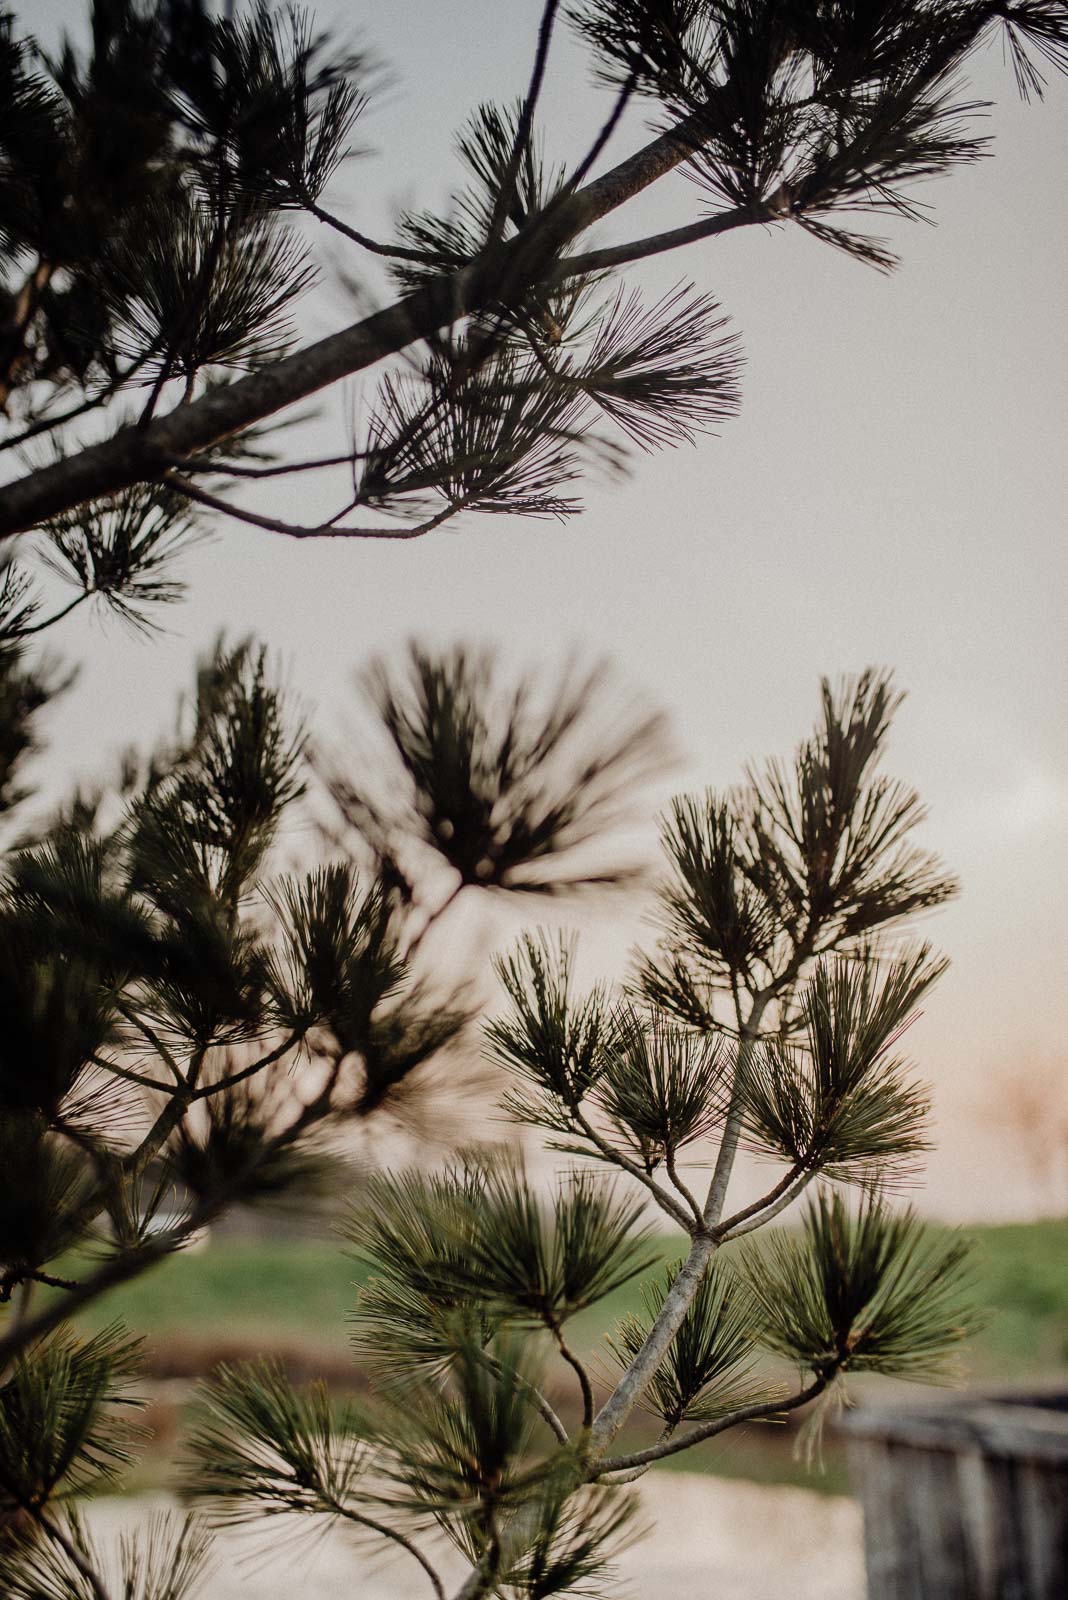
column 188, row 1032
column 165, row 191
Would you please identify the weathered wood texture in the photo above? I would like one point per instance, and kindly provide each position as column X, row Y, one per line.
column 967, row 1500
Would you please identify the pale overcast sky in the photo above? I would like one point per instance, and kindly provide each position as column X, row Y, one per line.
column 892, row 492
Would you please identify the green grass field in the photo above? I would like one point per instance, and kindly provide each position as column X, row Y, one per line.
column 262, row 1293
column 238, row 1297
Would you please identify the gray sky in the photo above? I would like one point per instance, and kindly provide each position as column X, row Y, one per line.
column 891, row 493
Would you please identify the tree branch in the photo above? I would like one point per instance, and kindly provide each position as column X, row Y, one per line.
column 57, row 616
column 748, row 1032
column 580, row 1372
column 665, row 1201
column 292, row 530
column 635, row 1380
column 216, row 1086
column 752, row 1217
column 12, row 1278
column 506, row 193
column 397, row 252
column 134, row 454
column 383, row 1528
column 683, row 1188
column 129, row 1075
column 708, row 1430
column 656, row 244
column 152, row 1038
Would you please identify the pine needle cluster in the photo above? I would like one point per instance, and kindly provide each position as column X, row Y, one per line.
column 165, row 192
column 188, row 1032
column 484, row 1422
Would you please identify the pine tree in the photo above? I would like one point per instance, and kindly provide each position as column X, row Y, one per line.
column 156, row 196
column 162, row 986
column 161, row 980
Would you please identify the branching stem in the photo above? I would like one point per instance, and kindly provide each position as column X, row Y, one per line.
column 665, row 1201
column 761, row 1211
column 338, row 1508
column 708, row 1430
column 683, row 1188
column 580, row 1372
column 294, row 530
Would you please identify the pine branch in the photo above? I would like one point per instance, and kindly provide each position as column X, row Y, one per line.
column 790, row 1186
column 386, row 1531
column 505, row 197
column 322, row 530
column 610, row 1153
column 709, row 1430
column 133, row 455
column 76, row 1556
column 580, row 1372
column 748, row 1032
column 220, row 1085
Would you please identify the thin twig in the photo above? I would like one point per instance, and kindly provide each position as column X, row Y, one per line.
column 507, row 190
column 768, row 1206
column 682, row 1187
column 708, row 1430
column 609, row 128
column 152, row 1037
column 57, row 616
column 298, row 531
column 12, row 1278
column 655, row 244
column 748, row 1033
column 580, row 1372
column 667, row 1202
column 129, row 1075
column 395, row 251
column 231, row 469
column 217, row 1085
column 341, row 1510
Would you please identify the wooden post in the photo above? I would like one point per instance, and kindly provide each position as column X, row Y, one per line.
column 966, row 1499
